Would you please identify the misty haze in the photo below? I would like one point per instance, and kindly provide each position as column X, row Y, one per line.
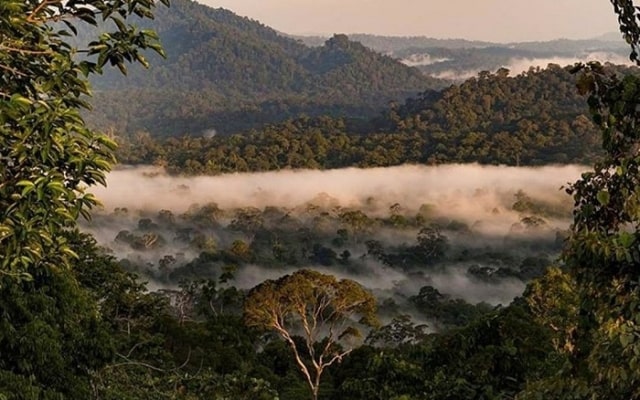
column 363, row 224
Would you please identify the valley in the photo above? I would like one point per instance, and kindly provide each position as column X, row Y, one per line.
column 196, row 205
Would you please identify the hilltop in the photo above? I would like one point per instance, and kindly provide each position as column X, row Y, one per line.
column 460, row 59
column 227, row 73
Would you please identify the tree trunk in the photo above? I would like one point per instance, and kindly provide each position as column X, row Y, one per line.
column 315, row 388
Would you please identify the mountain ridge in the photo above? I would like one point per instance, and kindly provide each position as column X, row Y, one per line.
column 223, row 64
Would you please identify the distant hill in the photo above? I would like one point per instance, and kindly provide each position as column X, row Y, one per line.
column 534, row 118
column 394, row 44
column 228, row 73
column 391, row 44
column 460, row 59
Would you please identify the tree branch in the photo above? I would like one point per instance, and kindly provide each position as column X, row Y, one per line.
column 137, row 363
column 283, row 332
column 24, row 51
column 309, row 335
column 46, row 3
column 338, row 357
column 12, row 70
column 330, row 341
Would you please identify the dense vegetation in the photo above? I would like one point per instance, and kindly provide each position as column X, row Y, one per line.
column 227, row 73
column 218, row 253
column 165, row 246
column 534, row 118
column 192, row 343
column 236, row 74
column 74, row 324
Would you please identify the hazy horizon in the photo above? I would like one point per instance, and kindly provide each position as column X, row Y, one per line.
column 490, row 20
column 480, row 198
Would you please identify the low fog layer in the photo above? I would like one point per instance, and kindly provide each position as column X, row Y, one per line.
column 519, row 65
column 416, row 60
column 389, row 283
column 500, row 224
column 469, row 193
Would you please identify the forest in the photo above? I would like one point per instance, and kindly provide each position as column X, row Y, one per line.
column 419, row 279
column 535, row 118
column 228, row 73
column 450, row 255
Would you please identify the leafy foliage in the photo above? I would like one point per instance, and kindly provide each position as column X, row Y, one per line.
column 52, row 337
column 535, row 118
column 318, row 303
column 48, row 154
column 602, row 252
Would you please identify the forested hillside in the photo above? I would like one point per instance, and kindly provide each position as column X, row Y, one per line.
column 534, row 118
column 459, row 59
column 227, row 73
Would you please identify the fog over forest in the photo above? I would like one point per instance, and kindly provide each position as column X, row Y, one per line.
column 515, row 65
column 467, row 192
column 476, row 233
column 197, row 204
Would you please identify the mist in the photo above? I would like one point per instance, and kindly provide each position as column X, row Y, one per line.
column 416, row 60
column 467, row 192
column 496, row 222
column 519, row 65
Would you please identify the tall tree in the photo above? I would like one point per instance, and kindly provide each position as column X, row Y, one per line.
column 321, row 308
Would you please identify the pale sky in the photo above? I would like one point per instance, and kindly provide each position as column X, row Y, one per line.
column 491, row 20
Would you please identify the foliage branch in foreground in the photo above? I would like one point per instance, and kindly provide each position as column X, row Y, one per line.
column 603, row 252
column 48, row 156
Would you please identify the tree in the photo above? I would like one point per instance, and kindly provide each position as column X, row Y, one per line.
column 53, row 336
column 432, row 245
column 48, row 155
column 322, row 307
column 603, row 249
column 401, row 330
column 628, row 19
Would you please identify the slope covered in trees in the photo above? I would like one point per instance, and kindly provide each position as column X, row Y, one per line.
column 228, row 73
column 459, row 59
column 534, row 118
column 396, row 44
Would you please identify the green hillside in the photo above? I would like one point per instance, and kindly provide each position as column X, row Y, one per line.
column 228, row 73
column 535, row 118
column 460, row 59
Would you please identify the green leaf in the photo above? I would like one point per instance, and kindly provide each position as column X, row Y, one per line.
column 70, row 253
column 20, row 100
column 26, row 277
column 603, row 197
column 626, row 339
column 5, row 232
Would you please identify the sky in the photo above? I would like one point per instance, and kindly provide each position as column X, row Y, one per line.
column 490, row 20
